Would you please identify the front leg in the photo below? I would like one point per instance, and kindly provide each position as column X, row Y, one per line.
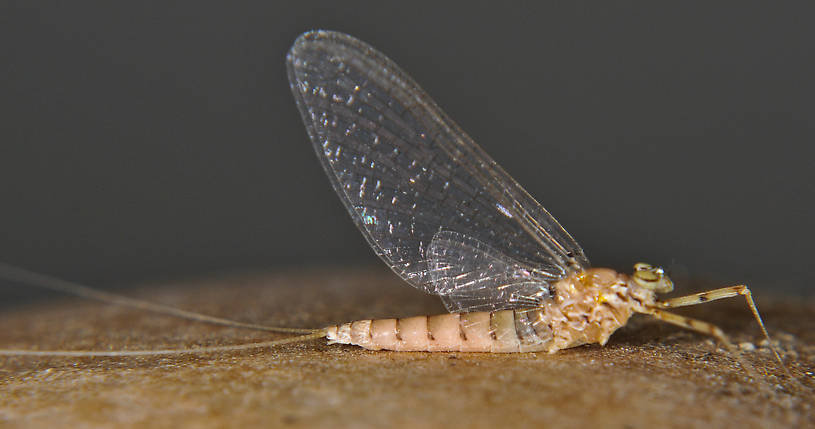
column 711, row 295
column 716, row 294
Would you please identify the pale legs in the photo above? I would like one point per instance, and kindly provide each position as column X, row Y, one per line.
column 708, row 328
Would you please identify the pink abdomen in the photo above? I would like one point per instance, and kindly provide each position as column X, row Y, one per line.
column 505, row 331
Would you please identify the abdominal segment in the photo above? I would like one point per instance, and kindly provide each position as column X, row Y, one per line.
column 506, row 331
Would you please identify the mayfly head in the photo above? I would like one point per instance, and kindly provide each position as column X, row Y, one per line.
column 652, row 278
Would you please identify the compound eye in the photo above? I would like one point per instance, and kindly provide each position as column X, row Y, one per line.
column 648, row 276
column 652, row 278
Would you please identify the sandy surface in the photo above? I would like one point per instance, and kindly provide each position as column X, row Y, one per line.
column 649, row 374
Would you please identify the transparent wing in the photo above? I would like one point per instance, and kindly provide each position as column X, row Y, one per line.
column 471, row 276
column 406, row 172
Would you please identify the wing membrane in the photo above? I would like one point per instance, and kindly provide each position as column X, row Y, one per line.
column 471, row 276
column 406, row 172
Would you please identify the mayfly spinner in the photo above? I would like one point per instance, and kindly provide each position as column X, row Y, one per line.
column 451, row 222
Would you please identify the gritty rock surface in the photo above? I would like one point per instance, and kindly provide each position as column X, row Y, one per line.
column 649, row 374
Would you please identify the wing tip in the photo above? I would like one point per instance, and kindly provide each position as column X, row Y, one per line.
column 311, row 37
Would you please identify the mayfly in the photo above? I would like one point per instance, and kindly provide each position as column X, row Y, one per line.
column 447, row 219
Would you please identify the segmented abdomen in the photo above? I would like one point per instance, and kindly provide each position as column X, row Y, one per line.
column 506, row 331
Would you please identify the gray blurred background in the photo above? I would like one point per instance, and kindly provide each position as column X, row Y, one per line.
column 142, row 141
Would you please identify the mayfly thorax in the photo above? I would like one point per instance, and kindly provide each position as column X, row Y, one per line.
column 447, row 219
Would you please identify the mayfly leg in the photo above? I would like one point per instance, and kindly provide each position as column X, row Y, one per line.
column 725, row 292
column 703, row 328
